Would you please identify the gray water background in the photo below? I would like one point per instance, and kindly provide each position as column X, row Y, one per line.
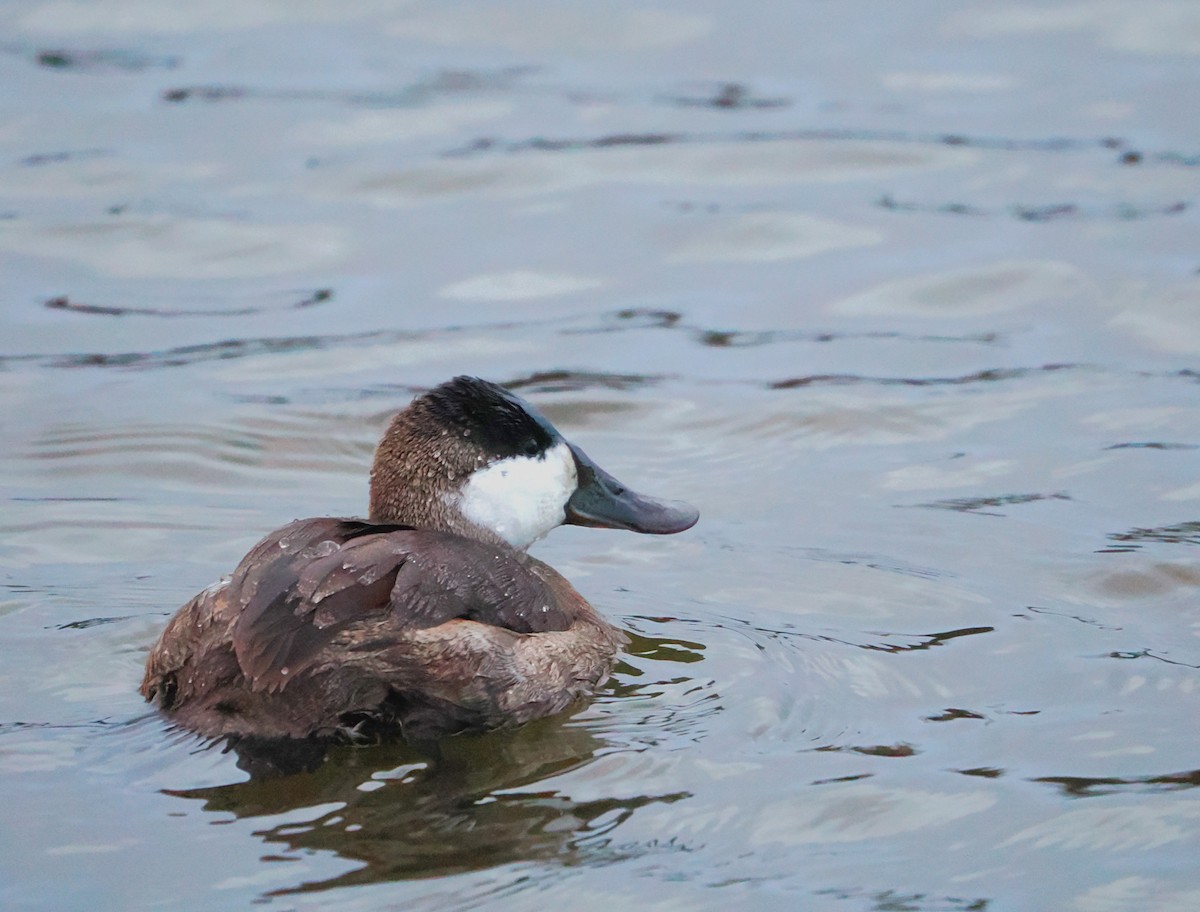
column 903, row 296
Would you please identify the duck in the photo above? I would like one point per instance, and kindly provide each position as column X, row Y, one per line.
column 427, row 619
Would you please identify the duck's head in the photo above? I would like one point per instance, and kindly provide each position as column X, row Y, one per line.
column 470, row 457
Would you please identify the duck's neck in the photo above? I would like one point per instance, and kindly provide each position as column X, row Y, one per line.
column 413, row 505
column 406, row 507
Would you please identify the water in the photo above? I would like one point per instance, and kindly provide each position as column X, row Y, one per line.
column 904, row 299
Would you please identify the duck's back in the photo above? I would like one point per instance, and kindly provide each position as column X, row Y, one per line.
column 330, row 625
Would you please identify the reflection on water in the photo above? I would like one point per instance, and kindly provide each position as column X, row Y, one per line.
column 909, row 311
column 401, row 816
column 483, row 801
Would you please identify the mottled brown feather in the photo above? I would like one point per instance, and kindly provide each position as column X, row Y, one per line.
column 414, row 628
column 306, row 582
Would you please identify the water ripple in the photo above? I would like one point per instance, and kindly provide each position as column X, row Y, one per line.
column 295, row 302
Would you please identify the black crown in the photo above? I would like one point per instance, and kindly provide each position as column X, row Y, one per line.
column 490, row 416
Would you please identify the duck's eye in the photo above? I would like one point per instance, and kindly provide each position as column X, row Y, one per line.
column 530, row 448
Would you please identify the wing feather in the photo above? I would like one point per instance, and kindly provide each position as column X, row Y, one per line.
column 310, row 582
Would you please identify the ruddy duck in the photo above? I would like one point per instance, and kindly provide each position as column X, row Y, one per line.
column 426, row 619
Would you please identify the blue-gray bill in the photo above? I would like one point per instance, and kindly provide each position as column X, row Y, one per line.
column 603, row 502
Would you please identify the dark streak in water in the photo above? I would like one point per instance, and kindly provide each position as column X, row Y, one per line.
column 1092, row 622
column 573, row 381
column 444, row 82
column 834, row 779
column 62, row 302
column 1186, row 533
column 921, row 641
column 488, row 145
column 226, row 349
column 984, row 376
column 572, row 144
column 193, row 354
column 951, row 715
column 728, row 96
column 1088, row 787
column 873, row 750
column 7, row 727
column 899, row 901
column 740, row 339
column 89, row 61
column 91, row 622
column 1153, row 445
column 204, row 93
column 56, row 158
column 976, row 504
column 1041, row 213
column 1147, row 654
column 635, row 318
column 985, row 772
column 648, row 318
column 929, row 640
column 102, row 60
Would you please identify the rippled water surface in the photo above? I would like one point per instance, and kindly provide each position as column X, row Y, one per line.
column 905, row 297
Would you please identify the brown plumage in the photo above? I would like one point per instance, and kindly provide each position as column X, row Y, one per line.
column 424, row 621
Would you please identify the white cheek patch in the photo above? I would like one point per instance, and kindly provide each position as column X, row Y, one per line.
column 521, row 498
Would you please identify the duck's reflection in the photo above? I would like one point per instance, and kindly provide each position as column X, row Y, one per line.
column 404, row 814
